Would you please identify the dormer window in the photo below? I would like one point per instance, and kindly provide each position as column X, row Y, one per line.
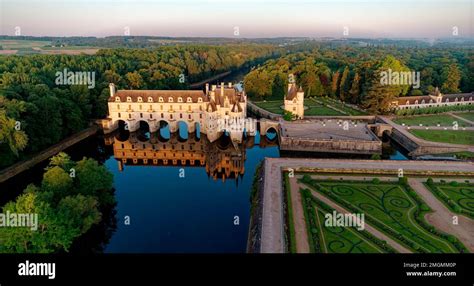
column 189, row 99
column 180, row 99
column 117, row 99
column 129, row 99
column 170, row 99
column 416, row 101
column 408, row 102
column 456, row 99
column 447, row 100
column 150, row 99
column 423, row 101
column 200, row 99
column 160, row 99
column 140, row 99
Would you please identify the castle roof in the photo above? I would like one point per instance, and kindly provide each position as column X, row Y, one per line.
column 156, row 94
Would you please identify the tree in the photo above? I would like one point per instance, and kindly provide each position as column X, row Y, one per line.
column 334, row 83
column 451, row 77
column 279, row 86
column 378, row 96
column 134, row 80
column 354, row 92
column 94, row 179
column 343, row 85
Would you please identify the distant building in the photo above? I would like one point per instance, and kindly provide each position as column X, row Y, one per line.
column 433, row 100
column 294, row 101
column 193, row 107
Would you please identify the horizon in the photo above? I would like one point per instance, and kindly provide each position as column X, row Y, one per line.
column 239, row 19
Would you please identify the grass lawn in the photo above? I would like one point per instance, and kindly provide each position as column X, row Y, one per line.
column 459, row 198
column 389, row 207
column 467, row 115
column 431, row 120
column 313, row 107
column 335, row 239
column 446, row 136
column 339, row 105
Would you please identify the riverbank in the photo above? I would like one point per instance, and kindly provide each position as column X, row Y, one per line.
column 203, row 82
column 24, row 165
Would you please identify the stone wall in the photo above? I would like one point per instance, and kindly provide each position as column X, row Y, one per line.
column 331, row 146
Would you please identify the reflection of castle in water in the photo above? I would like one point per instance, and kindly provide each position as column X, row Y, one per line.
column 221, row 158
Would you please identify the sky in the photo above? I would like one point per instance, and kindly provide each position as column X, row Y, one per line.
column 239, row 18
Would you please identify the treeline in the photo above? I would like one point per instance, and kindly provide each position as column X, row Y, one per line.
column 35, row 112
column 352, row 73
column 68, row 202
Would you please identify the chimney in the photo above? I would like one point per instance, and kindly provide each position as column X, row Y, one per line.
column 207, row 88
column 230, row 84
column 222, row 88
column 112, row 89
column 213, row 87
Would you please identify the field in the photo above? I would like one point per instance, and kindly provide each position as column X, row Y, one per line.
column 458, row 197
column 334, row 239
column 390, row 207
column 22, row 47
column 446, row 136
column 431, row 120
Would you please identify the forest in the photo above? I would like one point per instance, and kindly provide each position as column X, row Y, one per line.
column 352, row 73
column 36, row 113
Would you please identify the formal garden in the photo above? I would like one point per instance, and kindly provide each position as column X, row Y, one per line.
column 458, row 197
column 391, row 207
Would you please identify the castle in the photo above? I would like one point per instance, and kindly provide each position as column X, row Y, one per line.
column 294, row 101
column 207, row 110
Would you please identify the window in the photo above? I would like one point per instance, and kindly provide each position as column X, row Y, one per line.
column 118, row 106
column 140, row 107
column 162, row 115
column 170, row 99
column 180, row 115
column 140, row 99
column 141, row 115
column 200, row 115
column 150, row 99
column 151, row 116
column 200, row 99
column 119, row 115
column 161, row 99
column 180, row 99
column 189, row 99
column 189, row 116
column 117, row 99
column 161, row 107
column 129, row 99
column 129, row 115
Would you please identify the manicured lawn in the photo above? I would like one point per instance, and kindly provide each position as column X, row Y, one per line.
column 314, row 108
column 339, row 105
column 466, row 115
column 459, row 198
column 335, row 239
column 391, row 208
column 430, row 120
column 446, row 136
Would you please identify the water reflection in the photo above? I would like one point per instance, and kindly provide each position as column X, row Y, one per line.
column 222, row 159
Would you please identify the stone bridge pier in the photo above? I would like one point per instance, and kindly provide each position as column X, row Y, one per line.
column 266, row 124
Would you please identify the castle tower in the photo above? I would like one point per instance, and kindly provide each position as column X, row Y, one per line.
column 294, row 101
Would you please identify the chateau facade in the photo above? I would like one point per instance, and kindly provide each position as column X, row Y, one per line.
column 433, row 100
column 207, row 110
column 294, row 101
